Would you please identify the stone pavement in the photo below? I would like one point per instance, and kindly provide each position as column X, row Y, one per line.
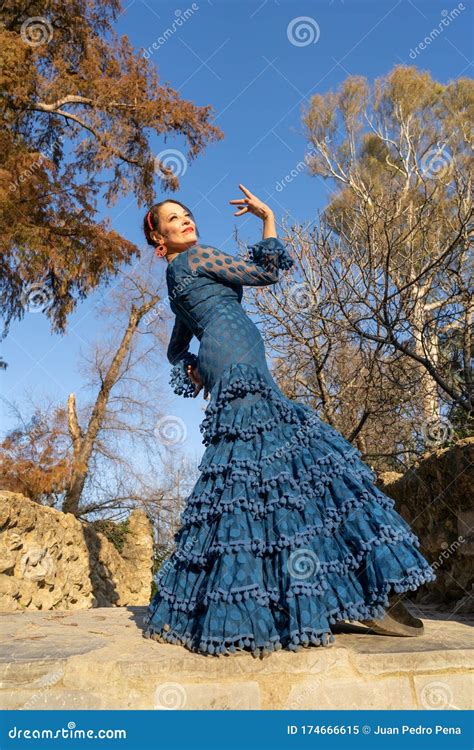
column 98, row 659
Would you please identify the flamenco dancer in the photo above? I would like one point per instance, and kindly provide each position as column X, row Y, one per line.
column 285, row 533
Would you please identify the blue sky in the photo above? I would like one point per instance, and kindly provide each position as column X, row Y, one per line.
column 237, row 57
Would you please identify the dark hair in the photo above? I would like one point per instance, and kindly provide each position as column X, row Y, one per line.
column 153, row 217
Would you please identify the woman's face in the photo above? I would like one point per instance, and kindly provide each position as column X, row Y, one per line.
column 177, row 228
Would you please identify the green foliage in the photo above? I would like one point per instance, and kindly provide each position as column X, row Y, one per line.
column 462, row 424
column 161, row 553
column 115, row 532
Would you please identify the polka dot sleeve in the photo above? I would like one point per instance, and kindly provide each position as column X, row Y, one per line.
column 266, row 259
column 179, row 342
column 180, row 357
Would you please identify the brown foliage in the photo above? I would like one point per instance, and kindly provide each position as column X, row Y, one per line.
column 34, row 458
column 79, row 108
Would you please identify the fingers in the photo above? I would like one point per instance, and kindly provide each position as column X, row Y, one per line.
column 198, row 383
column 242, row 205
column 196, row 379
column 244, row 190
column 192, row 375
column 250, row 204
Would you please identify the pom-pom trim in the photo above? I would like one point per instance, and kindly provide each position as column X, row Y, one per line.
column 180, row 381
column 269, row 253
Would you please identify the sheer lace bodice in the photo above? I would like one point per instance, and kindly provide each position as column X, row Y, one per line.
column 205, row 287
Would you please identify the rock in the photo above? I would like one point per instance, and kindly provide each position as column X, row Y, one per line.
column 50, row 559
column 99, row 659
column 466, row 605
column 436, row 498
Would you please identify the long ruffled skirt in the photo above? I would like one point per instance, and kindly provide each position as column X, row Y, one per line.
column 283, row 535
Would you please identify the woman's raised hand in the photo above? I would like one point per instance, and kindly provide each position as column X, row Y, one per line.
column 194, row 375
column 251, row 204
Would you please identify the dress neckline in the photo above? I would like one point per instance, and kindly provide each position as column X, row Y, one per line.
column 181, row 253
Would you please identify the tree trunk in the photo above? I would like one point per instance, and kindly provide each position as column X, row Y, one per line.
column 83, row 442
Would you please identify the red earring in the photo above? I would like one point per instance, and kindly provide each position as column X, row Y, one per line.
column 160, row 251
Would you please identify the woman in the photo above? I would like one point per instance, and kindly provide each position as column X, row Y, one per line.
column 285, row 532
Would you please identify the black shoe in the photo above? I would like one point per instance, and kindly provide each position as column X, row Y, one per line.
column 397, row 620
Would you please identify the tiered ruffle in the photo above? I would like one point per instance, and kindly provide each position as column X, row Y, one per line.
column 284, row 533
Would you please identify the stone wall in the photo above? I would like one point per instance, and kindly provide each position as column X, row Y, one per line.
column 436, row 498
column 52, row 560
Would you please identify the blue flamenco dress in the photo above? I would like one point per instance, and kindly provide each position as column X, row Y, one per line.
column 284, row 533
